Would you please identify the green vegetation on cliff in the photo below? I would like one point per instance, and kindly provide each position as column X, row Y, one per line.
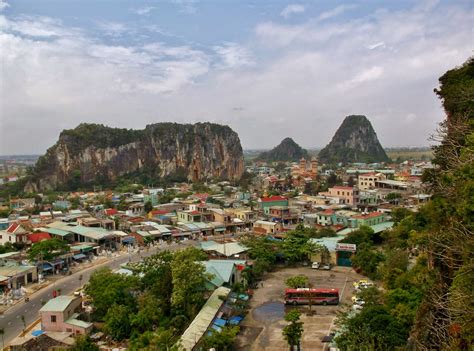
column 94, row 154
column 426, row 263
column 287, row 150
column 354, row 141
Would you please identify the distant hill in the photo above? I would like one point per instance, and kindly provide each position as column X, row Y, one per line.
column 93, row 154
column 354, row 141
column 287, row 150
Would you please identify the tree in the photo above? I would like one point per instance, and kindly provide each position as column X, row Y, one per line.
column 373, row 328
column 117, row 322
column 220, row 340
column 298, row 281
column 362, row 235
column 293, row 331
column 189, row 278
column 149, row 313
column 367, row 259
column 48, row 249
column 106, row 288
column 157, row 278
column 148, row 207
column 296, row 247
column 84, row 343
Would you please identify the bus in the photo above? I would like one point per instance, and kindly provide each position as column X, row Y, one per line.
column 306, row 296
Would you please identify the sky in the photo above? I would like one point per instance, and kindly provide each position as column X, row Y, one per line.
column 269, row 69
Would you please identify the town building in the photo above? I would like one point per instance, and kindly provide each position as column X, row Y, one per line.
column 61, row 314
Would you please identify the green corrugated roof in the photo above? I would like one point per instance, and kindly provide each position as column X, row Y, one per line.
column 9, row 254
column 77, row 322
column 58, row 304
column 59, row 232
column 203, row 320
column 81, row 247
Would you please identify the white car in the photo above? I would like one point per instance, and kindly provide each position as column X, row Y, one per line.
column 326, row 266
column 315, row 265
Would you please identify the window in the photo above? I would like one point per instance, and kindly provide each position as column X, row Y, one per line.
column 69, row 330
column 53, row 319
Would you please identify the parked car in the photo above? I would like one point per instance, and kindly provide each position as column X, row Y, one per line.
column 315, row 265
column 326, row 266
column 362, row 284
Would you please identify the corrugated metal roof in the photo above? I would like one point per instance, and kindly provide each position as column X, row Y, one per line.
column 78, row 322
column 58, row 304
column 203, row 320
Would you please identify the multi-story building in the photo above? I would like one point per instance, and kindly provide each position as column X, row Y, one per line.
column 347, row 195
column 367, row 181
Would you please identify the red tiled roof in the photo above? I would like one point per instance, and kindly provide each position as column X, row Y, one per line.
column 370, row 215
column 159, row 212
column 273, row 198
column 13, row 227
column 327, row 212
column 36, row 237
column 111, row 211
column 371, row 174
column 201, row 196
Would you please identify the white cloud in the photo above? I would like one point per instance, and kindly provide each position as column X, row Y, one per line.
column 335, row 11
column 145, row 10
column 233, row 55
column 3, row 5
column 380, row 44
column 113, row 29
column 366, row 75
column 287, row 80
column 186, row 6
column 291, row 10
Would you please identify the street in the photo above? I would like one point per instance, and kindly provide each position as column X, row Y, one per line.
column 12, row 322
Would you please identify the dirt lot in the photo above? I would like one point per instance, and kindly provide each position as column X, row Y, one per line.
column 262, row 327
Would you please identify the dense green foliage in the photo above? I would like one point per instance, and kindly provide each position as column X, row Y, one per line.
column 287, row 150
column 152, row 307
column 48, row 249
column 293, row 331
column 426, row 262
column 298, row 281
column 221, row 341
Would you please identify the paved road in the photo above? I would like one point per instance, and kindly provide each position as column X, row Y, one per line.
column 11, row 320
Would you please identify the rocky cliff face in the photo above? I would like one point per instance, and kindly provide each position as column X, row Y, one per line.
column 354, row 141
column 94, row 153
column 287, row 150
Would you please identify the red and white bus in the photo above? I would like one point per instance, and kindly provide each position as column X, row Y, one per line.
column 305, row 296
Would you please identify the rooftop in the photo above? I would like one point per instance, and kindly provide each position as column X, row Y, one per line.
column 203, row 320
column 58, row 304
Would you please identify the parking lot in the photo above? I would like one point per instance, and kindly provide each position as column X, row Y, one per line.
column 263, row 325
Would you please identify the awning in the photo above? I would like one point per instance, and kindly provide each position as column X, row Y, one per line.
column 182, row 234
column 79, row 256
column 57, row 263
column 128, row 240
column 219, row 229
column 47, row 267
